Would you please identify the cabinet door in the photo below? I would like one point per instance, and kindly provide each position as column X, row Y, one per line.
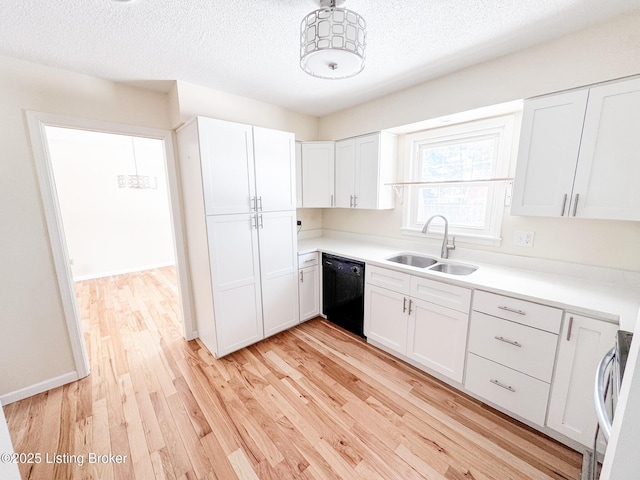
column 226, row 151
column 235, row 279
column 385, row 317
column 438, row 338
column 608, row 173
column 274, row 157
column 309, row 291
column 318, row 174
column 583, row 342
column 367, row 171
column 298, row 175
column 345, row 173
column 279, row 270
column 548, row 153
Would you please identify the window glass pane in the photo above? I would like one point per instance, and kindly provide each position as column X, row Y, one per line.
column 462, row 205
column 470, row 159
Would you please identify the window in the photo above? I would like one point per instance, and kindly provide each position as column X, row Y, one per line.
column 454, row 157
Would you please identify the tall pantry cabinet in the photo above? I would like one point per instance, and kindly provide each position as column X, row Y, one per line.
column 238, row 186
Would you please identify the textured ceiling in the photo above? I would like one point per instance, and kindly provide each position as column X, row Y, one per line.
column 250, row 47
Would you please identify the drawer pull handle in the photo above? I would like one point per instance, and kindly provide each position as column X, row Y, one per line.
column 502, row 385
column 309, row 260
column 512, row 310
column 510, row 342
column 564, row 205
column 569, row 329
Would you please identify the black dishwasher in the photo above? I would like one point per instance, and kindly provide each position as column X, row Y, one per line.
column 343, row 292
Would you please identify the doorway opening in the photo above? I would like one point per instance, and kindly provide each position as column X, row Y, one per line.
column 112, row 225
column 111, row 200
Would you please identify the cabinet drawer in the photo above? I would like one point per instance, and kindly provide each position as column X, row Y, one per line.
column 520, row 311
column 514, row 391
column 443, row 294
column 307, row 259
column 513, row 345
column 382, row 277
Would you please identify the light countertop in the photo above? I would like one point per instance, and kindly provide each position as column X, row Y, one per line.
column 603, row 299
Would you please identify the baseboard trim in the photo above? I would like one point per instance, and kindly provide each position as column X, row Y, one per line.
column 37, row 388
column 140, row 268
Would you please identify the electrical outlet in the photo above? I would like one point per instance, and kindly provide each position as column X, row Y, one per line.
column 524, row 239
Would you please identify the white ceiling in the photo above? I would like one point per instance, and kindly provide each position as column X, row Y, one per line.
column 251, row 47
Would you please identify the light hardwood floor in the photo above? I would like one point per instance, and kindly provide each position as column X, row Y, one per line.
column 311, row 402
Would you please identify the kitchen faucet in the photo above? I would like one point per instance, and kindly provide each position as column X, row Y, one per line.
column 444, row 252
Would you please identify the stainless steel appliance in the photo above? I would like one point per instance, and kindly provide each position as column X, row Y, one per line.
column 343, row 292
column 607, row 388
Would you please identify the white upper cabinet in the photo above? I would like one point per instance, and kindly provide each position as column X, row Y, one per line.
column 345, row 172
column 608, row 173
column 318, row 174
column 245, row 168
column 363, row 166
column 298, row 175
column 274, row 153
column 548, row 153
column 226, row 153
column 578, row 154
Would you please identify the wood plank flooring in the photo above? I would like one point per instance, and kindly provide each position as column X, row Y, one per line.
column 313, row 402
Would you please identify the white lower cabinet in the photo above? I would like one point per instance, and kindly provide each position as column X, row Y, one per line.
column 309, row 285
column 386, row 298
column 512, row 348
column 532, row 360
column 432, row 335
column 386, row 317
column 254, row 278
column 235, row 277
column 512, row 390
column 438, row 338
column 583, row 342
column 277, row 238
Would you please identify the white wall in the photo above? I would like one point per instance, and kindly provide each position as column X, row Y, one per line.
column 110, row 230
column 188, row 100
column 34, row 345
column 606, row 51
column 34, row 333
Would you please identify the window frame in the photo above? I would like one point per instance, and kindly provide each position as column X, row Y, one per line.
column 504, row 127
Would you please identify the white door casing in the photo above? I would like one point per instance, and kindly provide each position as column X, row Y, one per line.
column 37, row 122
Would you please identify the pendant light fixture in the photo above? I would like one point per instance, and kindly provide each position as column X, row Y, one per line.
column 332, row 41
column 139, row 182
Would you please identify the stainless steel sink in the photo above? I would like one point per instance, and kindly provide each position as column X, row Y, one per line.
column 413, row 260
column 454, row 269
